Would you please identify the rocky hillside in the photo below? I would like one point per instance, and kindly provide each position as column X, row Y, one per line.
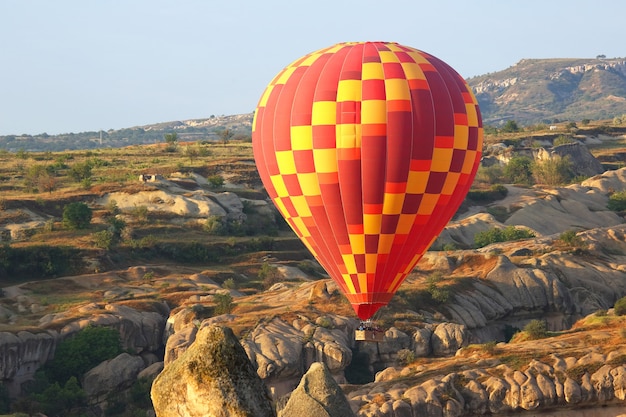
column 449, row 346
column 544, row 90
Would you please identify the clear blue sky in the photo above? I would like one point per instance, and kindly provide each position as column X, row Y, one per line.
column 83, row 65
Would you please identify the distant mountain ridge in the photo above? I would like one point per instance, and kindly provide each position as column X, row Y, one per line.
column 542, row 90
column 531, row 91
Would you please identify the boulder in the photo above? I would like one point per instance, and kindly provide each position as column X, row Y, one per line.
column 111, row 376
column 448, row 338
column 317, row 395
column 212, row 378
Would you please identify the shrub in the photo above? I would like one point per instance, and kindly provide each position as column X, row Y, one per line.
column 620, row 307
column 223, row 303
column 495, row 235
column 519, row 170
column 269, row 274
column 87, row 348
column 617, row 201
column 103, row 239
column 77, row 215
column 554, row 171
column 570, row 238
column 405, row 357
column 215, row 181
column 536, row 329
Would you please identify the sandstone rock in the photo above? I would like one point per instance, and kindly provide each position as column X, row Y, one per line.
column 111, row 376
column 317, row 395
column 421, row 342
column 448, row 338
column 213, row 378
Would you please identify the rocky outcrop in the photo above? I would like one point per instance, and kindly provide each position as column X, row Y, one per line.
column 317, row 395
column 111, row 376
column 213, row 378
column 21, row 354
column 589, row 381
column 583, row 162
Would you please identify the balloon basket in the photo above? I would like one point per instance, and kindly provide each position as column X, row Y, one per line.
column 368, row 333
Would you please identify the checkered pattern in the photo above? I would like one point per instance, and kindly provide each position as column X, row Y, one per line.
column 367, row 149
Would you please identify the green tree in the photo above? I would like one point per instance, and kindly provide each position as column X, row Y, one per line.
column 87, row 348
column 81, row 171
column 554, row 171
column 617, row 201
column 225, row 135
column 269, row 274
column 223, row 303
column 536, row 329
column 77, row 215
column 171, row 139
column 519, row 170
column 620, row 307
column 510, row 126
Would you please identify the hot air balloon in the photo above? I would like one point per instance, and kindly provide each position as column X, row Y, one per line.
column 367, row 149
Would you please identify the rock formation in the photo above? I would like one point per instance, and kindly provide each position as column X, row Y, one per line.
column 213, row 378
column 317, row 395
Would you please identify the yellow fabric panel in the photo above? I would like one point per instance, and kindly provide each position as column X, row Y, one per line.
column 461, row 134
column 428, row 204
column 325, row 160
column 324, row 113
column 395, row 283
column 385, row 243
column 299, row 224
column 388, row 56
column 413, row 71
column 392, row 203
column 300, row 204
column 418, row 58
column 357, row 243
column 472, row 115
column 372, row 71
column 281, row 207
column 348, row 261
column 405, row 223
column 349, row 90
column 373, row 112
column 279, row 186
column 301, row 138
column 285, row 162
column 442, row 157
column 371, row 260
column 416, row 183
column 347, row 136
column 397, row 89
column 468, row 164
column 309, row 184
column 348, row 280
column 265, row 96
column 371, row 224
column 363, row 282
column 452, row 180
column 286, row 74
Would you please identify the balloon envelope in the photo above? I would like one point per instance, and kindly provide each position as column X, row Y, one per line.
column 367, row 149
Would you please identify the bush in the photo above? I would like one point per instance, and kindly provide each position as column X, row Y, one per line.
column 570, row 238
column 617, row 201
column 536, row 329
column 405, row 357
column 495, row 235
column 78, row 354
column 519, row 170
column 215, row 181
column 77, row 216
column 269, row 274
column 620, row 307
column 223, row 303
